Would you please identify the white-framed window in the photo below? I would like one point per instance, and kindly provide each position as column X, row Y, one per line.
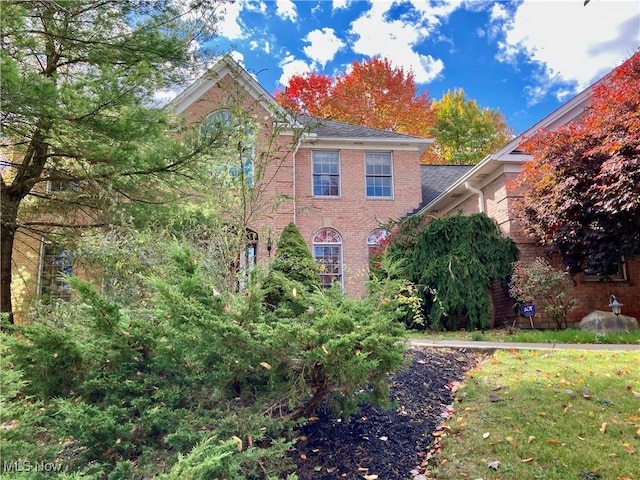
column 378, row 174
column 56, row 263
column 327, row 250
column 376, row 238
column 247, row 260
column 61, row 186
column 326, row 173
column 617, row 273
column 240, row 167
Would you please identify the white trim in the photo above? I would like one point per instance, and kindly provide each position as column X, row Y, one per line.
column 503, row 157
column 226, row 65
column 360, row 143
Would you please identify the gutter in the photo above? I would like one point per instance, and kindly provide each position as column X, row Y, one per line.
column 478, row 192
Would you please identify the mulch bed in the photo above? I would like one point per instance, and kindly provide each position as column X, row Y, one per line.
column 390, row 443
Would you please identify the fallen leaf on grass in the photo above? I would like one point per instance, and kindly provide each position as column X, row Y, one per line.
column 485, row 435
column 603, row 427
column 530, row 459
column 494, row 465
column 628, row 448
column 370, row 477
column 531, row 438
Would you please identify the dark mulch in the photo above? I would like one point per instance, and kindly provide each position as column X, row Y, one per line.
column 390, row 443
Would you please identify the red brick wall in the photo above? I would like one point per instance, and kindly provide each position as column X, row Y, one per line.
column 277, row 185
column 499, row 204
column 354, row 215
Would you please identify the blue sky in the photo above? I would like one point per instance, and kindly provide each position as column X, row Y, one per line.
column 523, row 57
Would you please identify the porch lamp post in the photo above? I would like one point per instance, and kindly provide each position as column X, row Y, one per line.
column 269, row 245
column 616, row 308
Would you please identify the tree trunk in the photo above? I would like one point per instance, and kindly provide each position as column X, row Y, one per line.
column 7, row 237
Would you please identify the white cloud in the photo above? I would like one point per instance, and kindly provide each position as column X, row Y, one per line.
column 262, row 45
column 292, row 66
column 238, row 57
column 338, row 4
column 228, row 25
column 377, row 35
column 255, row 6
column 324, row 44
column 286, row 9
column 498, row 12
column 573, row 42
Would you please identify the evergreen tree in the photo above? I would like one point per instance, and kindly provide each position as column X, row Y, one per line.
column 82, row 140
column 453, row 260
column 293, row 274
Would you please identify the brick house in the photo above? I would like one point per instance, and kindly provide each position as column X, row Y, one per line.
column 486, row 187
column 340, row 183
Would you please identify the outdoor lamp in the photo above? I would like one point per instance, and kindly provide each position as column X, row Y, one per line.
column 270, row 246
column 615, row 305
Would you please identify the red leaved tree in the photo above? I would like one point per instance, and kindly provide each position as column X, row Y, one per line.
column 582, row 187
column 372, row 94
column 307, row 93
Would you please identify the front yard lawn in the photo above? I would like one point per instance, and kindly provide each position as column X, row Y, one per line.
column 554, row 414
column 570, row 335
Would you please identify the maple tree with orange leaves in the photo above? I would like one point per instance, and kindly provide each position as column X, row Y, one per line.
column 373, row 94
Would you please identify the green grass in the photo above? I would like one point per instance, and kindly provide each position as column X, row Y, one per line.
column 570, row 335
column 552, row 415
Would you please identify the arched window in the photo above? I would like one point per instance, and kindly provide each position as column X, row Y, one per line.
column 239, row 135
column 327, row 250
column 376, row 239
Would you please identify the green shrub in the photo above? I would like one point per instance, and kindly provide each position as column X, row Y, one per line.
column 538, row 281
column 190, row 383
column 293, row 274
column 453, row 260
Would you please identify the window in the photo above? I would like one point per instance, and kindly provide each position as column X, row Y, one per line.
column 326, row 174
column 239, row 166
column 247, row 260
column 379, row 179
column 56, row 263
column 215, row 122
column 617, row 273
column 61, row 186
column 327, row 250
column 375, row 240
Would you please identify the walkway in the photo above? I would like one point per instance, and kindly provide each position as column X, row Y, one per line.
column 473, row 345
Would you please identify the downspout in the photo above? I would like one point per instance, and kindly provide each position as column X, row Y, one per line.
column 478, row 192
column 294, row 159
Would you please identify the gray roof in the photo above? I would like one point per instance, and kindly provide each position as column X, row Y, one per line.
column 324, row 128
column 437, row 178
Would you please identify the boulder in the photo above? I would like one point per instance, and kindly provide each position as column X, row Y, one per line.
column 600, row 321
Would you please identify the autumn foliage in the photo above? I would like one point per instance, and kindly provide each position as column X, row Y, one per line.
column 372, row 94
column 582, row 187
